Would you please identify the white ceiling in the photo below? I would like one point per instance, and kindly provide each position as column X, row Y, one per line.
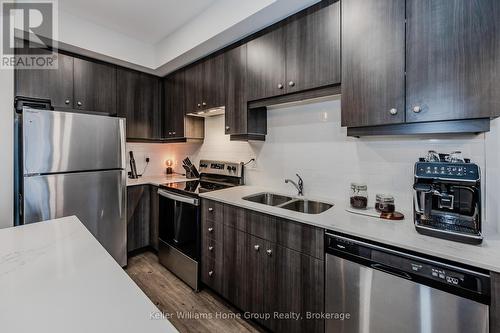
column 159, row 36
column 147, row 20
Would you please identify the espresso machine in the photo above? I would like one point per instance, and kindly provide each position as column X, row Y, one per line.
column 447, row 198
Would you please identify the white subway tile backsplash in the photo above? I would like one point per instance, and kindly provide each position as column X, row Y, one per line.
column 309, row 139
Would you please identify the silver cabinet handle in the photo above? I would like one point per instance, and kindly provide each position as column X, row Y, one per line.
column 210, row 209
column 227, row 128
column 393, row 111
column 280, row 86
column 66, row 101
column 199, row 105
column 291, row 83
column 169, row 133
column 173, row 133
column 256, row 247
column 417, row 109
column 269, row 252
column 210, row 273
column 210, row 248
column 210, row 229
column 79, row 103
column 204, row 104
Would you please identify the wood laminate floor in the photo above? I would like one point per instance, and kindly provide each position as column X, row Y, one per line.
column 174, row 297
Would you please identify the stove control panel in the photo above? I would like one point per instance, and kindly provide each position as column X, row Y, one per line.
column 223, row 168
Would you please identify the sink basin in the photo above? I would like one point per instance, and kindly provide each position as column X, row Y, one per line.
column 307, row 206
column 269, row 199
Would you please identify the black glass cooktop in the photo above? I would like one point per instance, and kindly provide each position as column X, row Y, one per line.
column 194, row 187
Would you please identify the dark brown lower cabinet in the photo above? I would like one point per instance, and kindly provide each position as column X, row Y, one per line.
column 138, row 217
column 264, row 271
column 235, row 267
column 295, row 285
column 154, row 217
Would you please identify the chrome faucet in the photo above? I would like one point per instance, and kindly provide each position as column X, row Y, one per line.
column 299, row 186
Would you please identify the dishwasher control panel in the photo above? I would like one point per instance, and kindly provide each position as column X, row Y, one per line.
column 409, row 266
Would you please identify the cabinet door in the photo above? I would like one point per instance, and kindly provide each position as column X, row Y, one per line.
column 213, row 88
column 295, row 283
column 154, row 217
column 313, row 47
column 175, row 105
column 373, row 62
column 453, row 47
column 243, row 270
column 150, row 102
column 235, row 254
column 138, row 217
column 53, row 84
column 236, row 99
column 95, row 86
column 138, row 101
column 193, row 83
column 266, row 65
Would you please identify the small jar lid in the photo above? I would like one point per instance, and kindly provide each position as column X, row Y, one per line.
column 359, row 187
column 384, row 198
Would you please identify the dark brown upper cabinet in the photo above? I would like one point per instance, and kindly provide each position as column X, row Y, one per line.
column 177, row 126
column 204, row 85
column 95, row 86
column 175, row 104
column 313, row 47
column 192, row 92
column 242, row 123
column 300, row 53
column 373, row 62
column 53, row 84
column 266, row 65
column 138, row 101
column 213, row 82
column 235, row 92
column 452, row 54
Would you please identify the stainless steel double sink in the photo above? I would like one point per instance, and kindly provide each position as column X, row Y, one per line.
column 295, row 204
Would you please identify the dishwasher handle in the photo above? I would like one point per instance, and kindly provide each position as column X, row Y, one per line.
column 392, row 271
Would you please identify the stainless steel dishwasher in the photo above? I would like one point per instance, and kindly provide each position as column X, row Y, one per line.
column 374, row 289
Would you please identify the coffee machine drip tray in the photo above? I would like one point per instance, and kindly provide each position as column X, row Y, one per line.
column 450, row 228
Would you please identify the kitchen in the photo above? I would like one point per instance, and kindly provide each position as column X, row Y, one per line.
column 334, row 160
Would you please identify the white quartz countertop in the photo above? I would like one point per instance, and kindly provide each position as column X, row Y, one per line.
column 401, row 234
column 56, row 277
column 157, row 180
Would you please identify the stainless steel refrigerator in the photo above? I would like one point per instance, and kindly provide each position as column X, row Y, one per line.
column 73, row 164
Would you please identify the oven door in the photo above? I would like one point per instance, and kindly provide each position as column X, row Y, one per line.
column 179, row 224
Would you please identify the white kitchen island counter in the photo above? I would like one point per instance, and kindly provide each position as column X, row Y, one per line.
column 56, row 277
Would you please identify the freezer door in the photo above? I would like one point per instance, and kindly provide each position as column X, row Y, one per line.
column 98, row 199
column 56, row 142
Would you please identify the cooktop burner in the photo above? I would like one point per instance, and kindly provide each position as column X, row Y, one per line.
column 214, row 175
column 195, row 187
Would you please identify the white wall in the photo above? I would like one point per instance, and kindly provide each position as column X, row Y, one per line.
column 308, row 139
column 6, row 147
column 214, row 29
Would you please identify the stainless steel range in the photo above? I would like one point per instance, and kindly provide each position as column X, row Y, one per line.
column 180, row 229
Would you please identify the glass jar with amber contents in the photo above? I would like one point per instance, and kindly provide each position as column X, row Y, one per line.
column 359, row 196
column 384, row 203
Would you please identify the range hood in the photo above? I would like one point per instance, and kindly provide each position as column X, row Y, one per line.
column 209, row 112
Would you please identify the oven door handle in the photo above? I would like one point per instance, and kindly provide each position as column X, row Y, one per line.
column 177, row 197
